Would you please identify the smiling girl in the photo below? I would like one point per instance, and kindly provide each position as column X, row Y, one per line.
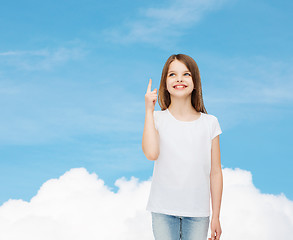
column 183, row 141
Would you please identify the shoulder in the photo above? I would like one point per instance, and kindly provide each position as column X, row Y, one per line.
column 213, row 124
column 210, row 117
column 160, row 113
column 211, row 120
column 159, row 116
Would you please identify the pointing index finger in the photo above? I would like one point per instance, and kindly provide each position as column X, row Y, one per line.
column 149, row 86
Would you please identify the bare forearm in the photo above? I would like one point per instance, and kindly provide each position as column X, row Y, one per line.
column 216, row 192
column 150, row 138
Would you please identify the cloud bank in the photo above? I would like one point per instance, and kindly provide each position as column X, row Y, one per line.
column 78, row 205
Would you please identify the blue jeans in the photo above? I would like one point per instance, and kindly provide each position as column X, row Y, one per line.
column 170, row 227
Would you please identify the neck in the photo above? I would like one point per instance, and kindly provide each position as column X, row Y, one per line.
column 181, row 106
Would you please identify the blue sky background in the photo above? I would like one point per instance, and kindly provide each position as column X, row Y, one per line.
column 73, row 75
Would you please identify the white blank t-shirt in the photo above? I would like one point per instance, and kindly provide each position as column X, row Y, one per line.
column 181, row 175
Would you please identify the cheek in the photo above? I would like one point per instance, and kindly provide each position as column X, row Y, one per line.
column 169, row 83
column 190, row 82
column 169, row 87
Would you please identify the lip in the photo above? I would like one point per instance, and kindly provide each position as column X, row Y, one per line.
column 180, row 85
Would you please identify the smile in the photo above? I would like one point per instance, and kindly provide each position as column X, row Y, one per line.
column 179, row 87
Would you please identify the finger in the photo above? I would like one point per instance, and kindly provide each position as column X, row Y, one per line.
column 149, row 86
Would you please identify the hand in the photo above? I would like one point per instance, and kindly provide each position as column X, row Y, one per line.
column 150, row 97
column 216, row 230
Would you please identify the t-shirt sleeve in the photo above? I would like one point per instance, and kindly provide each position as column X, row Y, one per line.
column 156, row 120
column 216, row 129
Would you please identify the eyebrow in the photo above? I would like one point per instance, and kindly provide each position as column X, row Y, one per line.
column 175, row 71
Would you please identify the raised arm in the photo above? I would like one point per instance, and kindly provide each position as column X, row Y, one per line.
column 150, row 137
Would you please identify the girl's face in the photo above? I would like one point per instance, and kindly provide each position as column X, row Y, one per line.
column 178, row 74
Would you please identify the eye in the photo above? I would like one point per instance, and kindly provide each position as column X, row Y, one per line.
column 184, row 74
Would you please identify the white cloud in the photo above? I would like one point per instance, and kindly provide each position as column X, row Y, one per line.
column 155, row 25
column 78, row 205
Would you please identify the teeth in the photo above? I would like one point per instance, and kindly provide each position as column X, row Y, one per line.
column 179, row 86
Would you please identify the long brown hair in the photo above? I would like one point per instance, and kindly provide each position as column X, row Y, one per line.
column 164, row 98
